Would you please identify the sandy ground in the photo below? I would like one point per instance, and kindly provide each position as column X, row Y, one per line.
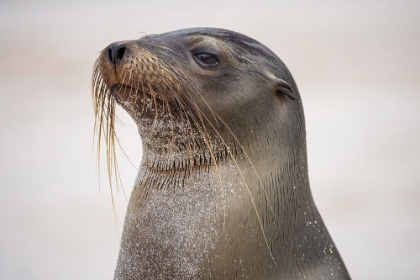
column 357, row 67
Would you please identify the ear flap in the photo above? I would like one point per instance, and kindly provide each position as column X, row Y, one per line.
column 281, row 86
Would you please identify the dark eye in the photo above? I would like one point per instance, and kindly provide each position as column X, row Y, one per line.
column 206, row 59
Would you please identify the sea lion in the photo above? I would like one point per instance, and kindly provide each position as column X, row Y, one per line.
column 222, row 191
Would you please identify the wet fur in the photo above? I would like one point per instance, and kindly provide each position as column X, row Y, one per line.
column 224, row 150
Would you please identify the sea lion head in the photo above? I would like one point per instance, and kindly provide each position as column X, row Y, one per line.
column 198, row 92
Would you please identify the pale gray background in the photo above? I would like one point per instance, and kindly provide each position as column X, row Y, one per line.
column 357, row 65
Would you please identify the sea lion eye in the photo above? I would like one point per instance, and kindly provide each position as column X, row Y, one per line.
column 206, row 59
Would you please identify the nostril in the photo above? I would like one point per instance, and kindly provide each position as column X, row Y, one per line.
column 120, row 53
column 110, row 54
column 116, row 53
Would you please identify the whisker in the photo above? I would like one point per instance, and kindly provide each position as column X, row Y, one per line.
column 239, row 169
column 240, row 145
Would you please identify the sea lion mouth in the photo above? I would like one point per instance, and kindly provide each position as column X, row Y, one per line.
column 118, row 87
column 122, row 92
column 125, row 92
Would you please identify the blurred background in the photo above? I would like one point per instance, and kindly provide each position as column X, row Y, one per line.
column 357, row 65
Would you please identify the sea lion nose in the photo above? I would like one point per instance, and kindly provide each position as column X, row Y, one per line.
column 116, row 53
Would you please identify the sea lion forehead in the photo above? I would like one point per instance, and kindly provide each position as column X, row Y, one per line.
column 192, row 35
column 206, row 31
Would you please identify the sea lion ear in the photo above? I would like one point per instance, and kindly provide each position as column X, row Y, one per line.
column 281, row 86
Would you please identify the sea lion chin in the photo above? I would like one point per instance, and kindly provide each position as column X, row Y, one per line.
column 222, row 190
